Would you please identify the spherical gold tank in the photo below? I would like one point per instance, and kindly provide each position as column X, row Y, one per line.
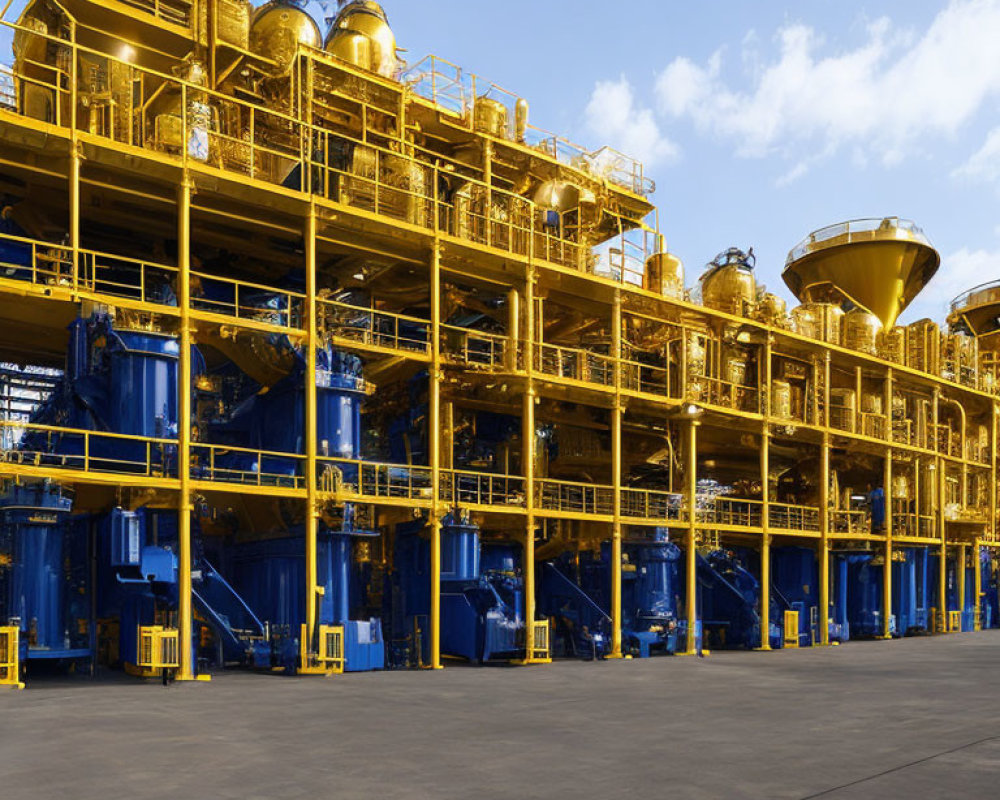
column 360, row 35
column 491, row 117
column 818, row 321
column 278, row 28
column 730, row 288
column 772, row 310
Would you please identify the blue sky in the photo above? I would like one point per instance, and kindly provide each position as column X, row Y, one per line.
column 761, row 121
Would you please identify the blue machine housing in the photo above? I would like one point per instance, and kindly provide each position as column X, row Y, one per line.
column 909, row 591
column 794, row 578
column 482, row 592
column 43, row 580
column 729, row 596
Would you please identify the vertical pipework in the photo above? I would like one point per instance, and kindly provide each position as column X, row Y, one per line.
column 943, row 561
column 616, row 479
column 312, row 519
column 434, row 447
column 513, row 321
column 186, row 670
column 765, row 543
column 977, row 578
column 691, row 489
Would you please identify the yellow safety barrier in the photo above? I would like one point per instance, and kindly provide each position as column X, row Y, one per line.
column 791, row 629
column 9, row 657
column 158, row 648
column 539, row 633
column 954, row 621
column 331, row 646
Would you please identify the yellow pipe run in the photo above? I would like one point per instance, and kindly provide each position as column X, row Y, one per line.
column 186, row 669
column 887, row 491
column 824, row 545
column 531, row 328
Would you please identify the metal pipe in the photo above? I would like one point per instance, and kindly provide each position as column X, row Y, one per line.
column 528, row 457
column 960, row 578
column 186, row 671
column 887, row 491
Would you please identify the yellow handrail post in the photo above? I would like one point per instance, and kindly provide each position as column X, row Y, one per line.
column 824, row 544
column 765, row 542
column 691, row 556
column 960, row 579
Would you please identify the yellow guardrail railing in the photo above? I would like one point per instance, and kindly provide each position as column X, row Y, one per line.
column 474, row 348
column 374, row 327
column 247, row 301
column 10, row 670
column 376, row 480
column 35, row 261
column 468, row 488
column 575, row 364
column 574, row 498
column 97, row 451
column 645, row 378
column 731, row 511
column 843, row 521
column 158, row 648
column 247, row 466
column 784, row 516
column 653, row 504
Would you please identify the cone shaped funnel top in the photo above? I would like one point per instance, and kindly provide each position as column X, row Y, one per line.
column 879, row 264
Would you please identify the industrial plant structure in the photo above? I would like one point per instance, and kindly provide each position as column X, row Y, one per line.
column 316, row 361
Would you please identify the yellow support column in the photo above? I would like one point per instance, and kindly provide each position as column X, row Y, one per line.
column 691, row 564
column 977, row 579
column 887, row 492
column 308, row 648
column 960, row 578
column 616, row 480
column 434, row 445
column 765, row 543
column 942, row 625
column 824, row 543
column 74, row 208
column 186, row 671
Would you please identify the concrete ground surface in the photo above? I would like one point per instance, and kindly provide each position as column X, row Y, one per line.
column 913, row 718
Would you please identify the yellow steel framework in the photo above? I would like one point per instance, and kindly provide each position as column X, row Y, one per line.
column 562, row 285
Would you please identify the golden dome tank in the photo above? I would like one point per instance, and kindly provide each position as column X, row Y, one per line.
column 491, row 116
column 861, row 331
column 664, row 274
column 360, row 35
column 279, row 27
column 892, row 344
column 729, row 284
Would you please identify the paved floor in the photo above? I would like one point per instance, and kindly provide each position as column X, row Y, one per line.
column 912, row 718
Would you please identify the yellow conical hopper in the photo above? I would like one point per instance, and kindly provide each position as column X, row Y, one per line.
column 978, row 309
column 880, row 264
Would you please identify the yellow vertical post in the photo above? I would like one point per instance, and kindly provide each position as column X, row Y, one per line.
column 616, row 480
column 887, row 569
column 513, row 322
column 943, row 566
column 691, row 564
column 960, row 578
column 977, row 581
column 824, row 543
column 765, row 542
column 186, row 669
column 312, row 518
column 434, row 446
column 528, row 459
column 74, row 206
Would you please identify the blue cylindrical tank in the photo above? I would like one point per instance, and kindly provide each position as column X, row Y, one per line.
column 143, row 395
column 656, row 566
column 44, row 590
column 460, row 551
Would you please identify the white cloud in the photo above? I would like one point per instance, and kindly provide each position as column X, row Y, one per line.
column 962, row 270
column 984, row 165
column 614, row 116
column 883, row 97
